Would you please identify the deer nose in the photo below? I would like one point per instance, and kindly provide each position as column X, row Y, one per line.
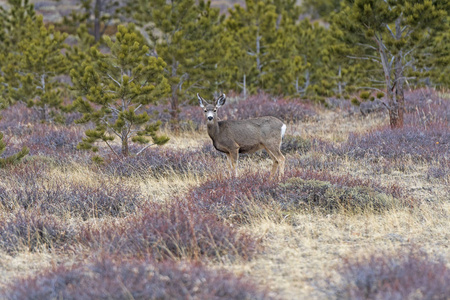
column 210, row 118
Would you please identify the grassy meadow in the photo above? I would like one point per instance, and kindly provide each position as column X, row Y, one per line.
column 362, row 212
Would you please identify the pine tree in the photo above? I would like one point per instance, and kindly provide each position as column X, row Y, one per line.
column 186, row 36
column 96, row 16
column 12, row 32
column 388, row 32
column 283, row 61
column 39, row 63
column 253, row 29
column 115, row 88
column 317, row 74
column 320, row 8
column 432, row 60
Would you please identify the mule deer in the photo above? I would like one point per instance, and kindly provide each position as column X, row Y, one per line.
column 245, row 136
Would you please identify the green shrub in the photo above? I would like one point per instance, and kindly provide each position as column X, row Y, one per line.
column 297, row 193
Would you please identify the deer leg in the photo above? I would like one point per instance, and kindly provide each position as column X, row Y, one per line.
column 230, row 164
column 278, row 161
column 234, row 155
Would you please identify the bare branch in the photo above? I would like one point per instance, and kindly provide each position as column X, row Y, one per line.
column 387, row 106
column 370, row 88
column 367, row 46
column 113, row 150
column 118, row 83
column 140, row 105
column 364, row 58
column 140, row 151
column 391, row 62
column 390, row 31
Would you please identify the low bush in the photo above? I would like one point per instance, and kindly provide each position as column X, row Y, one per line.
column 170, row 231
column 296, row 193
column 400, row 275
column 116, row 278
column 33, row 230
column 440, row 171
column 238, row 198
column 295, row 144
column 425, row 107
column 51, row 139
column 162, row 162
column 19, row 118
column 32, row 187
column 409, row 143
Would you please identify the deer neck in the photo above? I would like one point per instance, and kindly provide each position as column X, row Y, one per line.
column 213, row 129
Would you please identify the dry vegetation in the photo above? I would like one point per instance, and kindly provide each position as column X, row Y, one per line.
column 362, row 211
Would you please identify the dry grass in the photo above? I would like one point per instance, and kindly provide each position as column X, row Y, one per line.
column 301, row 250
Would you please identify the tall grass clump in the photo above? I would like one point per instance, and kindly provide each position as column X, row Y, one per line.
column 112, row 277
column 404, row 274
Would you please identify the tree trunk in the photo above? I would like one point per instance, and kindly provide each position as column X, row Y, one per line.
column 245, row 87
column 97, row 15
column 399, row 78
column 258, row 53
column 125, row 150
column 174, row 116
column 44, row 113
column 340, row 82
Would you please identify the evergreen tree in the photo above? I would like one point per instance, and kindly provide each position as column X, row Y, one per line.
column 283, row 61
column 320, row 8
column 316, row 77
column 253, row 29
column 388, row 32
column 432, row 60
column 40, row 61
column 96, row 16
column 186, row 36
column 12, row 32
column 115, row 88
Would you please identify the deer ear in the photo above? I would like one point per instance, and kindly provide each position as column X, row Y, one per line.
column 221, row 100
column 201, row 100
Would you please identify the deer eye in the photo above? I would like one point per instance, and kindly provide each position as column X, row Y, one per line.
column 215, row 110
column 205, row 110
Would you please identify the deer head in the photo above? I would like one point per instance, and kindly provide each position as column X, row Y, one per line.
column 209, row 109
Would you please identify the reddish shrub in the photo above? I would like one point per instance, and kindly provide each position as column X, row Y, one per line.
column 177, row 230
column 425, row 106
column 43, row 138
column 115, row 278
column 400, row 275
column 439, row 171
column 32, row 187
column 161, row 162
column 19, row 117
column 33, row 230
column 419, row 144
